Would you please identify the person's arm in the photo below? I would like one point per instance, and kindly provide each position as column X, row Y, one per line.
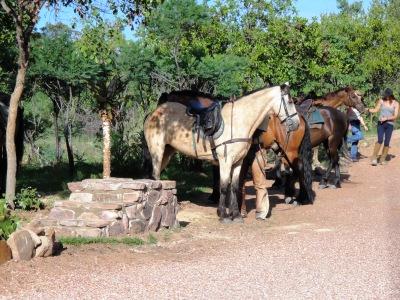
column 377, row 107
column 363, row 123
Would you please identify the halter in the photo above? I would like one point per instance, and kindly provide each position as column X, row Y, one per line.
column 288, row 120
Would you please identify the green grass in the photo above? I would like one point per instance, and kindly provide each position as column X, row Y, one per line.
column 130, row 241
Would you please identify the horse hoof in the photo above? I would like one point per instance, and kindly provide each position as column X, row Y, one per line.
column 295, row 203
column 261, row 215
column 288, row 200
column 225, row 220
column 238, row 220
column 332, row 186
column 322, row 186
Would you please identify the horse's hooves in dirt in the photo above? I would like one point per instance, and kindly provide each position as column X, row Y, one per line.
column 243, row 214
column 332, row 186
column 289, row 200
column 238, row 220
column 226, row 221
column 322, row 186
column 295, row 203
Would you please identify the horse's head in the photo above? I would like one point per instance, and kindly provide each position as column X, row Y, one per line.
column 287, row 112
column 355, row 100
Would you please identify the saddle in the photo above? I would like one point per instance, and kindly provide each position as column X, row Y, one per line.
column 311, row 113
column 208, row 119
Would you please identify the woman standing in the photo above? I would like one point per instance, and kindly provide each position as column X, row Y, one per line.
column 388, row 109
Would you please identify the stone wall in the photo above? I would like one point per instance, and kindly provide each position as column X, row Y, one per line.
column 114, row 206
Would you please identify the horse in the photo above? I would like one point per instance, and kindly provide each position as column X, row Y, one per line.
column 169, row 129
column 332, row 134
column 19, row 138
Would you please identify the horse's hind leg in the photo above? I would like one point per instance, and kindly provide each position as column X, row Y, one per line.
column 234, row 192
column 333, row 149
column 224, row 183
column 168, row 153
column 324, row 180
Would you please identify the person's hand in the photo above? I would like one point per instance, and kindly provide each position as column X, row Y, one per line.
column 383, row 119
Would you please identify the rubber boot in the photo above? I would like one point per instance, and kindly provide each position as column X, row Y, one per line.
column 374, row 158
column 385, row 152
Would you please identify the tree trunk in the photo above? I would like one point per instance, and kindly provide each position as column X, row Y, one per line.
column 11, row 125
column 56, row 130
column 70, row 152
column 106, row 124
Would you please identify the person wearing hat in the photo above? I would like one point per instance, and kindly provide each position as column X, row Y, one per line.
column 388, row 109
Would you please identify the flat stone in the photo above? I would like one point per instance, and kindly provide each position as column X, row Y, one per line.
column 109, row 215
column 22, row 245
column 97, row 223
column 35, row 238
column 48, row 222
column 153, row 196
column 132, row 197
column 51, row 236
column 164, row 215
column 146, row 211
column 63, row 231
column 174, row 191
column 35, row 226
column 109, row 184
column 5, row 252
column 154, row 222
column 88, row 216
column 103, row 206
column 151, row 184
column 108, row 197
column 68, row 204
column 140, row 186
column 165, row 197
column 88, row 232
column 72, row 223
column 168, row 184
column 134, row 212
column 136, row 226
column 59, row 213
column 116, row 228
column 75, row 186
column 81, row 197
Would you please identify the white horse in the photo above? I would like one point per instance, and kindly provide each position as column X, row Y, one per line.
column 169, row 129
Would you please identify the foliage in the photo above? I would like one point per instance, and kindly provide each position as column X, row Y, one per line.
column 8, row 223
column 130, row 241
column 28, row 199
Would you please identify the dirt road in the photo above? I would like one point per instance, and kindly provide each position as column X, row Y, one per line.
column 346, row 245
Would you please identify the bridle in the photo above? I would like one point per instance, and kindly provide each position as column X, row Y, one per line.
column 288, row 120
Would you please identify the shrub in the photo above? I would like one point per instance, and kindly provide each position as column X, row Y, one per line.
column 28, row 199
column 8, row 224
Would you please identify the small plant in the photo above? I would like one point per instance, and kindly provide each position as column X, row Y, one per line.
column 28, row 199
column 8, row 224
column 131, row 241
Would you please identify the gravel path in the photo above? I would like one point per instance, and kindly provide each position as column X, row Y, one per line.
column 345, row 246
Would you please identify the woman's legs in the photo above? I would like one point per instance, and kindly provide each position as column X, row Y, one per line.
column 388, row 136
column 357, row 135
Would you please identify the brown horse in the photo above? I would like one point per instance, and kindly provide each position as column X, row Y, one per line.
column 169, row 128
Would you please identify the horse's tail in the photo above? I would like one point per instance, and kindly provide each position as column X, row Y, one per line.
column 306, row 177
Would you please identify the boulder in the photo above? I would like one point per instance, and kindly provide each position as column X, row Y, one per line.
column 21, row 244
column 5, row 252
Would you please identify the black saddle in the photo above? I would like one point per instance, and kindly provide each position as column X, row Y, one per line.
column 208, row 119
column 304, row 106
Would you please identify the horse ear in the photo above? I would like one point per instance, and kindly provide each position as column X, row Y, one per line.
column 285, row 88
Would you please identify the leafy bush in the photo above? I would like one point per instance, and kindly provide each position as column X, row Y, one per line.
column 28, row 199
column 8, row 224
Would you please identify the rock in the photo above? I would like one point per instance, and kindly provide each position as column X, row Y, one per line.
column 125, row 222
column 103, row 206
column 51, row 236
column 132, row 212
column 146, row 211
column 151, row 184
column 35, row 238
column 72, row 223
column 134, row 185
column 81, row 197
column 43, row 248
column 109, row 215
column 116, row 228
column 58, row 213
column 48, row 222
column 165, row 197
column 136, row 226
column 109, row 184
column 5, row 252
column 35, row 226
column 88, row 232
column 21, row 244
column 62, row 231
column 88, row 216
column 168, row 184
column 132, row 197
column 153, row 196
column 108, row 197
column 99, row 223
column 68, row 204
column 154, row 222
column 75, row 186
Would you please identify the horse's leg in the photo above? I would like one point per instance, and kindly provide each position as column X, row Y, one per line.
column 156, row 150
column 234, row 192
column 333, row 149
column 260, row 185
column 224, row 183
column 168, row 153
column 215, row 193
column 290, row 190
column 316, row 161
column 278, row 180
column 324, row 180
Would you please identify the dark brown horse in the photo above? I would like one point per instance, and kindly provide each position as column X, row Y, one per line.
column 19, row 138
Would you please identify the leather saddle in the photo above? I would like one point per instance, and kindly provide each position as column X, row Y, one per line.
column 311, row 113
column 208, row 119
